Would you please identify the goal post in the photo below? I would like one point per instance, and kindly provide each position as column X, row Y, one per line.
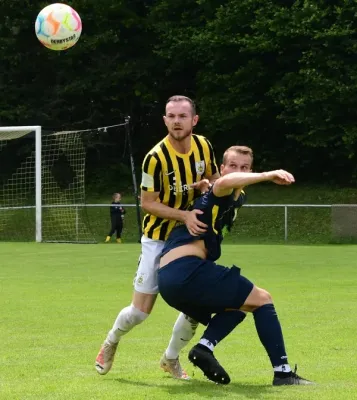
column 133, row 174
column 38, row 182
column 43, row 179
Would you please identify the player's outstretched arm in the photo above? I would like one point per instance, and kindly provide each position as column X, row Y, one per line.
column 238, row 180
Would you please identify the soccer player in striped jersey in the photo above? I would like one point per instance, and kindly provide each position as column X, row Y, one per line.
column 169, row 171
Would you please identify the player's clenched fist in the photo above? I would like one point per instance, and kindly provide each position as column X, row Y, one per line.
column 280, row 177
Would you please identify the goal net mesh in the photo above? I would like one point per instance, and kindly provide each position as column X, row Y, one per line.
column 64, row 172
column 63, row 189
column 344, row 223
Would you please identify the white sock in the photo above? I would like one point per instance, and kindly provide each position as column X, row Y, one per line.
column 207, row 343
column 282, row 368
column 125, row 322
column 183, row 331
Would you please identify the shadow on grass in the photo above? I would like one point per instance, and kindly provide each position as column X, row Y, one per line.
column 204, row 388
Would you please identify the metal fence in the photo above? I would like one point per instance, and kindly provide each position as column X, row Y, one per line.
column 257, row 223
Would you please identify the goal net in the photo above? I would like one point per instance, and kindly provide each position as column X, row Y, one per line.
column 43, row 183
column 344, row 223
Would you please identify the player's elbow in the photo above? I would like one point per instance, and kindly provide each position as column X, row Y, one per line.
column 146, row 205
column 149, row 200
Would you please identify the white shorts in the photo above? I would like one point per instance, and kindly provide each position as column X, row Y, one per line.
column 146, row 280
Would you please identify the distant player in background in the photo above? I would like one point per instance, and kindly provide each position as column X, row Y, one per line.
column 168, row 173
column 117, row 212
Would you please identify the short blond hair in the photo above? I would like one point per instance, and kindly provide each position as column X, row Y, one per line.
column 239, row 150
column 178, row 98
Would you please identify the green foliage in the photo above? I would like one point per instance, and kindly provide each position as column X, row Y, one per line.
column 96, row 82
column 277, row 75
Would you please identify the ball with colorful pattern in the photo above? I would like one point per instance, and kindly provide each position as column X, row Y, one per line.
column 58, row 26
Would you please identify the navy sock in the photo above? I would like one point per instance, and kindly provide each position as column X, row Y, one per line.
column 222, row 324
column 270, row 334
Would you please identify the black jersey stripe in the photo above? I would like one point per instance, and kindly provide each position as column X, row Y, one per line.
column 162, row 195
column 146, row 168
column 163, row 230
column 154, row 171
column 197, row 193
column 157, row 223
column 200, row 147
column 170, row 167
column 193, row 167
column 146, row 163
column 211, row 156
column 157, row 174
column 182, row 170
column 166, row 157
column 146, row 221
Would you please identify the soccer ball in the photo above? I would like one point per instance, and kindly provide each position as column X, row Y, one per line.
column 58, row 26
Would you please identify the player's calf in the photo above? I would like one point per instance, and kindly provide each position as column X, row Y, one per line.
column 271, row 336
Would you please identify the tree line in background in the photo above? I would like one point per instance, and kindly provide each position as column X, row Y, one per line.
column 277, row 75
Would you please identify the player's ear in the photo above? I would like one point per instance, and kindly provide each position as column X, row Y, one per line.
column 195, row 120
column 221, row 168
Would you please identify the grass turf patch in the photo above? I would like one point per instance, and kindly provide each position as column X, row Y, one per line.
column 59, row 301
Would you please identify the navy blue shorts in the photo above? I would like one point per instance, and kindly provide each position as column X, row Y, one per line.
column 200, row 288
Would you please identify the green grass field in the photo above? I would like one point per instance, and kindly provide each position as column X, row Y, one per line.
column 59, row 301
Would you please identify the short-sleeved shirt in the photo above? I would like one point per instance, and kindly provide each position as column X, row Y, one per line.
column 171, row 173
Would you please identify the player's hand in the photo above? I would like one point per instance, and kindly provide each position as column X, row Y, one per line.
column 194, row 226
column 281, row 177
column 203, row 185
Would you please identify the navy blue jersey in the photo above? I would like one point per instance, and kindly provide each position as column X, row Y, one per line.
column 230, row 216
column 218, row 213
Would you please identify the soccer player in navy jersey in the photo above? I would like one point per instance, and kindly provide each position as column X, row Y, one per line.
column 191, row 281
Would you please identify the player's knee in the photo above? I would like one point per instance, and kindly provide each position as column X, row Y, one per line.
column 135, row 316
column 192, row 322
column 184, row 322
column 264, row 297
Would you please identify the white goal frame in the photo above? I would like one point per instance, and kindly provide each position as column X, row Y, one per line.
column 38, row 162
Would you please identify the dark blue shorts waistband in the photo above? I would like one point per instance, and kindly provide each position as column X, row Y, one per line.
column 181, row 260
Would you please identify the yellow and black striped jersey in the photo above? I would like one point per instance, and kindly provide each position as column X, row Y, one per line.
column 171, row 173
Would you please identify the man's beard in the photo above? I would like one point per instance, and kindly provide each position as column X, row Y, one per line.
column 180, row 135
